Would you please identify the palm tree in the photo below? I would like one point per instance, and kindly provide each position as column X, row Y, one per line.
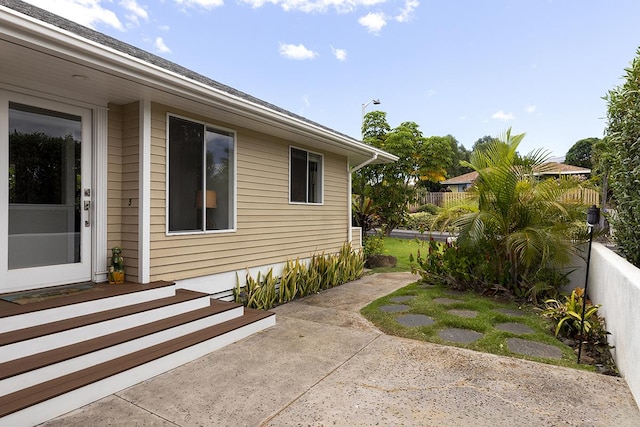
column 521, row 223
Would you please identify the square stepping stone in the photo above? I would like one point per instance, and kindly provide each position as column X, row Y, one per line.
column 415, row 320
column 459, row 335
column 403, row 298
column 510, row 312
column 396, row 308
column 515, row 328
column 533, row 348
column 464, row 313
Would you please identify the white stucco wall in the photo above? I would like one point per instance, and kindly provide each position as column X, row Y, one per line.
column 615, row 284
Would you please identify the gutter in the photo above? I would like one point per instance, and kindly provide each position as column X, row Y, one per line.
column 365, row 163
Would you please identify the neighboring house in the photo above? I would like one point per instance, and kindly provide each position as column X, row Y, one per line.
column 547, row 170
column 103, row 145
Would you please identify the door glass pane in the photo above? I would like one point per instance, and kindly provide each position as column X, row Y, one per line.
column 44, row 187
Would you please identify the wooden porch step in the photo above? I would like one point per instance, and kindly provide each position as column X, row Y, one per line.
column 181, row 295
column 60, row 354
column 44, row 395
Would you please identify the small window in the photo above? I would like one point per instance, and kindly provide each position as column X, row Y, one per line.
column 201, row 177
column 305, row 176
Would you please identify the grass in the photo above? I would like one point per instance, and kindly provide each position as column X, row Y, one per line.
column 401, row 249
column 493, row 341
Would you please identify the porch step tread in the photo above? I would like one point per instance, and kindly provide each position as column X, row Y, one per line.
column 51, row 357
column 11, row 337
column 22, row 399
column 101, row 290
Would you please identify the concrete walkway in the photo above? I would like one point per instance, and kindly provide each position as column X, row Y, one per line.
column 325, row 365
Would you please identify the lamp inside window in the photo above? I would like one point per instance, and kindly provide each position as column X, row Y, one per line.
column 210, row 202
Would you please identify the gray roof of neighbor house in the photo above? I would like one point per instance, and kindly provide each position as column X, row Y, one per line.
column 175, row 69
column 548, row 168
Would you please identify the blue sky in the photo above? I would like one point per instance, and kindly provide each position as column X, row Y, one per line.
column 468, row 68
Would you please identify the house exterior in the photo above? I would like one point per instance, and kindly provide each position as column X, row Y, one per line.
column 104, row 145
column 547, row 170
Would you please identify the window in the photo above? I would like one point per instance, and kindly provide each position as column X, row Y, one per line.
column 305, row 176
column 201, row 169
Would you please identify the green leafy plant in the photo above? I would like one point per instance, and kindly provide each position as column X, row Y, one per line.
column 568, row 315
column 373, row 245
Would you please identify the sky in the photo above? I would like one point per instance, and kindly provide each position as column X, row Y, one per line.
column 467, row 68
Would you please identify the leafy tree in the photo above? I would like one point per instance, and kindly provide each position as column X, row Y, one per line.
column 521, row 225
column 392, row 186
column 580, row 153
column 622, row 140
column 482, row 143
column 459, row 154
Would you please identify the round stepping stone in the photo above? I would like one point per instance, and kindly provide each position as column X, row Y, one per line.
column 415, row 320
column 459, row 335
column 514, row 328
column 464, row 313
column 404, row 298
column 510, row 312
column 394, row 308
column 533, row 348
column 446, row 300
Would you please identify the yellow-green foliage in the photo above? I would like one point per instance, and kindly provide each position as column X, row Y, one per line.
column 298, row 280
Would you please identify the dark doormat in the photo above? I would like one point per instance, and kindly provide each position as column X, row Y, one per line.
column 28, row 297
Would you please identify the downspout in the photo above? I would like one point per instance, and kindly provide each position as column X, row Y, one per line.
column 351, row 171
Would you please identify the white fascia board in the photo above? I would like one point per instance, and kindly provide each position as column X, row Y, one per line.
column 42, row 34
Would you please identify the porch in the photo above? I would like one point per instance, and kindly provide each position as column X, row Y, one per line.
column 67, row 351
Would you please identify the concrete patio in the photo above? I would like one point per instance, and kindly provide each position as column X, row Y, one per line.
column 323, row 364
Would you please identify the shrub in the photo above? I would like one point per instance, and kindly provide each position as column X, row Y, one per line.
column 420, row 221
column 622, row 136
column 428, row 208
column 373, row 245
column 567, row 315
column 298, row 280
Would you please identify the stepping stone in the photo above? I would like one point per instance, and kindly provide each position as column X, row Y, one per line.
column 404, row 298
column 510, row 312
column 514, row 328
column 394, row 308
column 533, row 348
column 464, row 313
column 459, row 335
column 446, row 300
column 415, row 320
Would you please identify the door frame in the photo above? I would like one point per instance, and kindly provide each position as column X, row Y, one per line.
column 94, row 161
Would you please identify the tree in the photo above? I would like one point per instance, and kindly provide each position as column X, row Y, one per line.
column 393, row 186
column 482, row 143
column 622, row 141
column 521, row 226
column 459, row 154
column 581, row 152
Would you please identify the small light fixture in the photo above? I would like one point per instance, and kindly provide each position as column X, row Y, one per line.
column 79, row 77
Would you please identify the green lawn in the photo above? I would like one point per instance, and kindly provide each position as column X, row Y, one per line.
column 401, row 249
column 488, row 316
column 493, row 341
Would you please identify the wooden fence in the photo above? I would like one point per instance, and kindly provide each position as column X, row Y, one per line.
column 585, row 196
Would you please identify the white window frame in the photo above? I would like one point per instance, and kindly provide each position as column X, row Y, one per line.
column 321, row 202
column 234, row 190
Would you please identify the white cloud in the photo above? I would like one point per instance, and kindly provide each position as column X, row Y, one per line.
column 299, row 52
column 85, row 12
column 136, row 11
column 340, row 54
column 341, row 6
column 461, row 118
column 374, row 22
column 431, row 92
column 206, row 4
column 501, row 115
column 406, row 13
column 305, row 100
column 160, row 46
column 530, row 109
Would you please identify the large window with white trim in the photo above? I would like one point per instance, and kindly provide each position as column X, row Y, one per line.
column 305, row 176
column 201, row 177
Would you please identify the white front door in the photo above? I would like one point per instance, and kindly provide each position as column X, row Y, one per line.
column 45, row 193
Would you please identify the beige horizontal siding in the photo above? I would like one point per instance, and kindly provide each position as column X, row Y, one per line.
column 114, row 177
column 269, row 229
